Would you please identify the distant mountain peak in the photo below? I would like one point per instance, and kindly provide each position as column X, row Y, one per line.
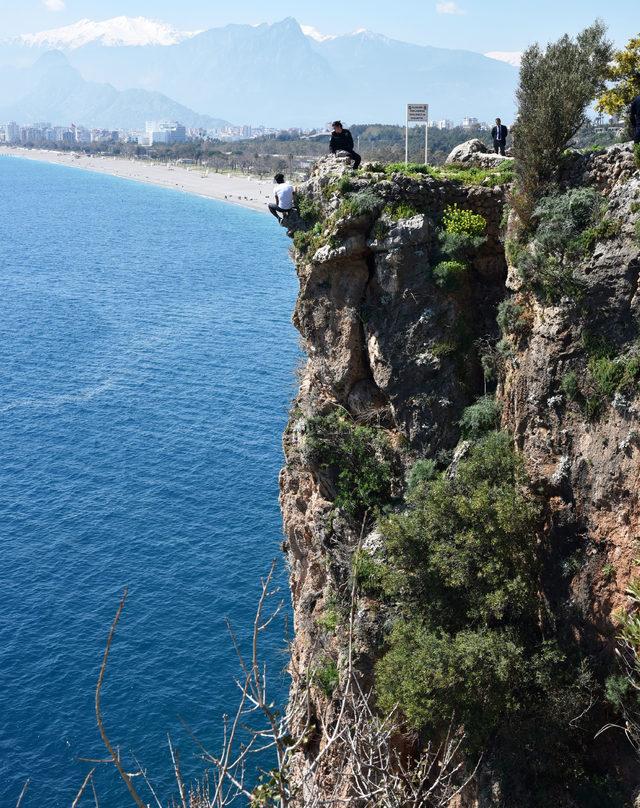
column 510, row 57
column 313, row 33
column 115, row 32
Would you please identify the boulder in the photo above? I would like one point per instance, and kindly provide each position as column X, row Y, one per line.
column 474, row 152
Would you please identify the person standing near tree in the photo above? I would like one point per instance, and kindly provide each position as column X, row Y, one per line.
column 342, row 140
column 499, row 134
column 634, row 117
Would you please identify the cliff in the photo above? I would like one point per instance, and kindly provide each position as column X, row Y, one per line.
column 424, row 335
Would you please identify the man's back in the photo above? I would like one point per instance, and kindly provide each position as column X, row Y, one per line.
column 283, row 192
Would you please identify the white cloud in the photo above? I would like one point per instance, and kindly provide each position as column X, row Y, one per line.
column 449, row 7
column 54, row 5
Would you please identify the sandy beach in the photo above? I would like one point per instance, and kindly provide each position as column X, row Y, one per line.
column 246, row 191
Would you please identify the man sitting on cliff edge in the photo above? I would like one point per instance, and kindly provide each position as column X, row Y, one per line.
column 342, row 140
column 283, row 194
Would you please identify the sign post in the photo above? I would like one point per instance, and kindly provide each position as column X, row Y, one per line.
column 417, row 113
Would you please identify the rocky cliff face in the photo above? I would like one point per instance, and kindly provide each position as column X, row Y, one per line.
column 398, row 349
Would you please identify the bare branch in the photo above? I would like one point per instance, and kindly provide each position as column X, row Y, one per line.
column 116, row 761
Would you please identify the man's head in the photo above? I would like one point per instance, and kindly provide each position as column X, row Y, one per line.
column 498, row 121
column 278, row 179
column 337, row 126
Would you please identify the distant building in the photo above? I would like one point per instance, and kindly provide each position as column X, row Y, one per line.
column 12, row 132
column 445, row 123
column 470, row 123
column 166, row 132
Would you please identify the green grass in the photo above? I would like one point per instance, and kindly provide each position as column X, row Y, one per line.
column 400, row 210
column 502, row 174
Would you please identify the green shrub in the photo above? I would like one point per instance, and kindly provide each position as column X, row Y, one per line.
column 433, row 676
column 480, row 418
column 326, row 677
column 617, row 690
column 422, row 472
column 557, row 83
column 445, row 347
column 362, row 203
column 329, row 618
column 345, row 184
column 569, row 385
column 466, row 547
column 563, row 218
column 636, row 153
column 449, row 274
column 552, row 277
column 606, row 229
column 511, row 318
column 610, row 376
column 401, row 210
column 308, row 241
column 357, row 459
column 460, row 220
column 458, row 246
column 370, row 574
column 309, row 211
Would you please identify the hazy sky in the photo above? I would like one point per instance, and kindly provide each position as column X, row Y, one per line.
column 477, row 25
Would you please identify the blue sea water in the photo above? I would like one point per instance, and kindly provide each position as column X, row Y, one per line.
column 146, row 368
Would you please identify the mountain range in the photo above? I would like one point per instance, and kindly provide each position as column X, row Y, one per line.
column 278, row 75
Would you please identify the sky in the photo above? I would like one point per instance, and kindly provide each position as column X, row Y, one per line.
column 477, row 25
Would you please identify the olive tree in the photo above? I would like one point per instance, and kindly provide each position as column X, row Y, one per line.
column 557, row 84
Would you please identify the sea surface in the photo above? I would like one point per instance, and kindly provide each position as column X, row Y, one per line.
column 146, row 369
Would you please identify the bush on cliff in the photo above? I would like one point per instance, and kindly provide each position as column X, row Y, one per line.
column 357, row 463
column 556, row 86
column 480, row 418
column 568, row 227
column 466, row 546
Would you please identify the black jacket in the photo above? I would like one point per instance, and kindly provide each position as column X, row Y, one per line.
column 501, row 136
column 341, row 142
column 634, row 114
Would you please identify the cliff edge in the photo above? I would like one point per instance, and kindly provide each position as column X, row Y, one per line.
column 441, row 346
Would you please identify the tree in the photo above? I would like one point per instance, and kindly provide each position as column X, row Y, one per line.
column 556, row 86
column 624, row 72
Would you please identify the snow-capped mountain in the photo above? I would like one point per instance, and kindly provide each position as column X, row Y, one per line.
column 277, row 74
column 116, row 32
column 510, row 57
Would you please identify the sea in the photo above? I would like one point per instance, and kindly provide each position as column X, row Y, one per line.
column 147, row 365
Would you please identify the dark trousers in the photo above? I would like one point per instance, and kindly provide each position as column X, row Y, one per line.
column 273, row 208
column 498, row 147
column 353, row 155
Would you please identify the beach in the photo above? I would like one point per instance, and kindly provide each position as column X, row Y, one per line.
column 249, row 192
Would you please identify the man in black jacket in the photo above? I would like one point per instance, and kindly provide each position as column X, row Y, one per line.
column 341, row 140
column 499, row 134
column 634, row 117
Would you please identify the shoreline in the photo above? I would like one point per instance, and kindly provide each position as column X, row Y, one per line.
column 245, row 191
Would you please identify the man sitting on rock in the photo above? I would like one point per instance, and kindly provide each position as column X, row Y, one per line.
column 342, row 140
column 499, row 134
column 283, row 193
